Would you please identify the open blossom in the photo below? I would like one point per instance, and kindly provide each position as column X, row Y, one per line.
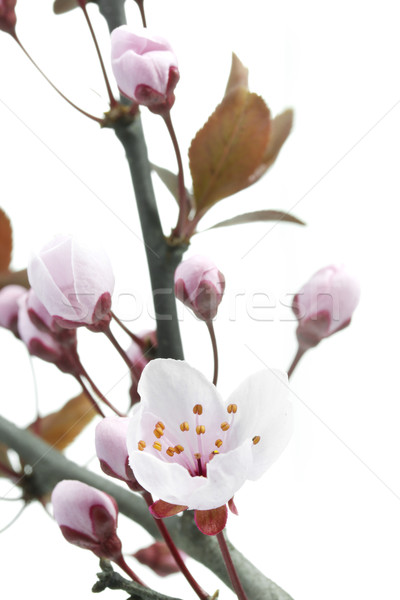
column 9, row 297
column 87, row 518
column 191, row 449
column 73, row 282
column 325, row 304
column 200, row 286
column 145, row 67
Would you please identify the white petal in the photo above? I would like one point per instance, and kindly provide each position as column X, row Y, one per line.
column 265, row 410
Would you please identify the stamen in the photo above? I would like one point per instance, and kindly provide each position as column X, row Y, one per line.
column 157, row 446
column 215, row 452
column 225, row 426
column 170, row 451
column 218, row 443
column 158, row 432
column 141, row 445
column 178, row 449
column 256, row 439
column 232, row 408
column 198, row 409
column 200, row 429
column 197, row 456
column 160, row 425
column 184, row 426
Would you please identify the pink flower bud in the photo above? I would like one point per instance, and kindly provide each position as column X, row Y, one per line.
column 38, row 314
column 145, row 67
column 140, row 355
column 45, row 345
column 9, row 297
column 325, row 304
column 111, row 450
column 158, row 557
column 73, row 282
column 200, row 285
column 87, row 518
column 8, row 18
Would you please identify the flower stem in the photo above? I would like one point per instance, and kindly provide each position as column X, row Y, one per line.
column 296, row 360
column 113, row 101
column 183, row 199
column 99, row 394
column 122, row 564
column 210, row 327
column 231, row 567
column 140, row 4
column 118, row 348
column 141, row 343
column 175, row 552
column 89, row 395
column 83, row 112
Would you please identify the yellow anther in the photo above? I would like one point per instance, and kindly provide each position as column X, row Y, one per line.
column 215, row 452
column 157, row 446
column 197, row 456
column 141, row 445
column 170, row 451
column 184, row 426
column 256, row 439
column 200, row 429
column 218, row 443
column 232, row 408
column 198, row 409
column 160, row 425
column 178, row 449
column 158, row 432
column 225, row 426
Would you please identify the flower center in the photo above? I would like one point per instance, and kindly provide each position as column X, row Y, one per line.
column 192, row 445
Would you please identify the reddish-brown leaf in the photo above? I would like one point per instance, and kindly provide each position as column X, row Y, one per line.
column 5, row 241
column 281, row 126
column 60, row 428
column 229, row 148
column 238, row 77
column 259, row 216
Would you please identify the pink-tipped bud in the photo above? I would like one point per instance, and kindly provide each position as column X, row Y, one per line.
column 38, row 313
column 140, row 355
column 9, row 308
column 158, row 557
column 145, row 67
column 74, row 283
column 325, row 304
column 200, row 286
column 111, row 450
column 8, row 18
column 87, row 518
column 45, row 344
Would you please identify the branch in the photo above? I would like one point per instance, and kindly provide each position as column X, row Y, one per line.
column 49, row 467
column 108, row 578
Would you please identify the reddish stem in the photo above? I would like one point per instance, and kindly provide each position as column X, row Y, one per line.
column 89, row 395
column 113, row 102
column 296, row 360
column 183, row 199
column 175, row 552
column 118, row 348
column 100, row 395
column 134, row 337
column 210, row 327
column 140, row 4
column 122, row 564
column 83, row 112
column 237, row 586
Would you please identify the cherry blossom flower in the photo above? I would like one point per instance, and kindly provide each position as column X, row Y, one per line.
column 192, row 450
column 9, row 297
column 200, row 286
column 325, row 304
column 74, row 282
column 145, row 67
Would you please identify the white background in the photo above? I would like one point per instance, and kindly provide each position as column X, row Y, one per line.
column 324, row 521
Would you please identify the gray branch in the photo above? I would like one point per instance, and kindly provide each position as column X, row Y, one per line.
column 49, row 467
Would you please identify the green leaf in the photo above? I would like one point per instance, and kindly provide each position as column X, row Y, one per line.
column 229, row 148
column 257, row 216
